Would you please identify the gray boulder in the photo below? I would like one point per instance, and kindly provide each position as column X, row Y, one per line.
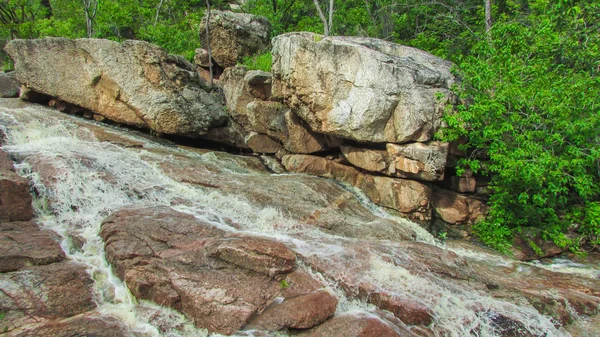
column 364, row 89
column 134, row 82
column 234, row 36
column 9, row 86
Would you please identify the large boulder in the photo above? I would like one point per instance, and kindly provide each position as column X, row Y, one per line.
column 364, row 89
column 133, row 82
column 234, row 36
column 220, row 280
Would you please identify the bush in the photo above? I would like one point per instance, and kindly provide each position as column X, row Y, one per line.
column 259, row 62
column 534, row 112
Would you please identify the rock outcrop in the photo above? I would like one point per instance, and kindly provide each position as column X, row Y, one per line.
column 134, row 82
column 248, row 94
column 234, row 36
column 15, row 200
column 220, row 280
column 364, row 89
column 9, row 86
column 413, row 161
column 409, row 197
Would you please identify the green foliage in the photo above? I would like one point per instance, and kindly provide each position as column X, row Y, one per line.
column 534, row 111
column 259, row 62
column 284, row 284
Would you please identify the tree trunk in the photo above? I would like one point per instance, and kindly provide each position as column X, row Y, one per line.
column 210, row 62
column 330, row 16
column 488, row 16
column 158, row 11
column 323, row 18
column 90, row 7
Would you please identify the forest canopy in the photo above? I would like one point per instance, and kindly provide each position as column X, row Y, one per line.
column 530, row 88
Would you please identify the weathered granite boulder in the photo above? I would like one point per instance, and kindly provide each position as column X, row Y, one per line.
column 134, row 82
column 23, row 244
column 355, row 326
column 409, row 197
column 15, row 200
column 52, row 291
column 201, row 57
column 247, row 94
column 9, row 86
column 413, row 161
column 364, row 89
column 220, row 280
column 456, row 208
column 234, row 36
column 86, row 324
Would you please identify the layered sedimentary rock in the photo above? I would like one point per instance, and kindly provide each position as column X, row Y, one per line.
column 364, row 89
column 134, row 82
column 234, row 36
column 409, row 197
column 414, row 161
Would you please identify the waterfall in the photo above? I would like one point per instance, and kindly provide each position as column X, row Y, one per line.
column 79, row 180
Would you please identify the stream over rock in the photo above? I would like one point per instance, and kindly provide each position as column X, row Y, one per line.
column 176, row 241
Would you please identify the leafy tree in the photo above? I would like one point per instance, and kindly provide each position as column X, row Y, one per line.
column 532, row 101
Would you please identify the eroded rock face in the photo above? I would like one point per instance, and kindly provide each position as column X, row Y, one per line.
column 88, row 324
column 247, row 95
column 9, row 86
column 15, row 200
column 134, row 82
column 53, row 291
column 234, row 36
column 364, row 89
column 456, row 208
column 414, row 161
column 220, row 280
column 409, row 197
column 23, row 244
column 355, row 326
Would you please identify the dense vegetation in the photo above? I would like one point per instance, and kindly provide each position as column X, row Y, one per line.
column 530, row 89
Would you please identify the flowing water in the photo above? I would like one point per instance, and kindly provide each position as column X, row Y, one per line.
column 90, row 179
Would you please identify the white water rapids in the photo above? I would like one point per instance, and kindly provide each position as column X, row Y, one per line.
column 92, row 179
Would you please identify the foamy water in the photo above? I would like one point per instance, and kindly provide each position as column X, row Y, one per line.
column 92, row 179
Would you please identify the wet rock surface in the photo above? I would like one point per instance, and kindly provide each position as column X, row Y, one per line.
column 23, row 244
column 53, row 291
column 89, row 324
column 218, row 279
column 230, row 269
column 15, row 200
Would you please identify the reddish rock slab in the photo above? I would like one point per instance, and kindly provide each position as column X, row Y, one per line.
column 88, row 324
column 300, row 312
column 261, row 255
column 354, row 326
column 23, row 244
column 54, row 291
column 15, row 199
column 220, row 280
